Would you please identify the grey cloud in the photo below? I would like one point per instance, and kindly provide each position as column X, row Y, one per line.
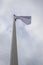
column 30, row 46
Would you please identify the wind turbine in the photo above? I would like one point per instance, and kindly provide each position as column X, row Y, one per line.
column 14, row 57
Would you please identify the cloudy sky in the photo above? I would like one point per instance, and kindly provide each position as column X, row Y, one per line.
column 29, row 37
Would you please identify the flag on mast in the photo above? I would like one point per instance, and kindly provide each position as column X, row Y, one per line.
column 25, row 19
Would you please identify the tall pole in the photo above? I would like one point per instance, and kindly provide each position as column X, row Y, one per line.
column 14, row 59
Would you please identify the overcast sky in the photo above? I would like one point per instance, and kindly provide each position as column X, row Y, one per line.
column 29, row 37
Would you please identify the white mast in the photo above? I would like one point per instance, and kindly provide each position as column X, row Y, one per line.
column 14, row 57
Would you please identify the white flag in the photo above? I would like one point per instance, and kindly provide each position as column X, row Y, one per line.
column 25, row 19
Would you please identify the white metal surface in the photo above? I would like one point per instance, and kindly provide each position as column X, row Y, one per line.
column 14, row 57
column 14, row 60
